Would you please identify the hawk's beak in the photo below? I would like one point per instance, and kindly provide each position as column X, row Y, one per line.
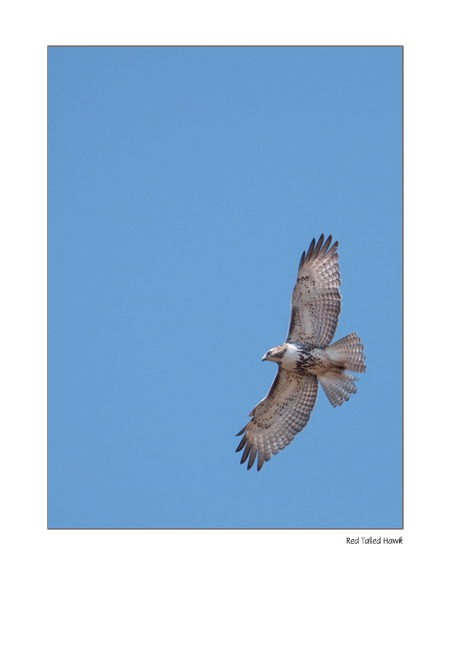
column 264, row 357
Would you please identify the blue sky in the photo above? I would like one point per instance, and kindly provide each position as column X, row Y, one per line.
column 184, row 184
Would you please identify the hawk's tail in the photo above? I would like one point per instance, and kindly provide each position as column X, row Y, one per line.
column 345, row 354
column 338, row 385
column 348, row 353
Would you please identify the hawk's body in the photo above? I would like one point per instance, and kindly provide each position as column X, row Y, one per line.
column 305, row 358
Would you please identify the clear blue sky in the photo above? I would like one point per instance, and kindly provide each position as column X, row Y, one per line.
column 184, row 184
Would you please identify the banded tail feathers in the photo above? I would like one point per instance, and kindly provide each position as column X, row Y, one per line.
column 348, row 352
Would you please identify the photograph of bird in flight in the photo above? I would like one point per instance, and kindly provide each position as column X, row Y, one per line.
column 305, row 359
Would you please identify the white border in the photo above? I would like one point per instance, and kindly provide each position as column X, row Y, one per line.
column 221, row 593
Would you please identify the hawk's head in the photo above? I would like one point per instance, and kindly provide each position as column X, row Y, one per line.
column 275, row 354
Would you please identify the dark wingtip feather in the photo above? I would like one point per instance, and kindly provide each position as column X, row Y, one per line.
column 302, row 259
column 242, row 430
column 260, row 459
column 251, row 459
column 311, row 249
column 318, row 248
column 242, row 444
column 246, row 451
column 319, row 244
column 323, row 251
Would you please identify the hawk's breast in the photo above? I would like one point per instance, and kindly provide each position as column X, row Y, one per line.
column 303, row 360
column 290, row 357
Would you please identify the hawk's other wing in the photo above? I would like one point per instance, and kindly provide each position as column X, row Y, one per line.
column 316, row 301
column 282, row 414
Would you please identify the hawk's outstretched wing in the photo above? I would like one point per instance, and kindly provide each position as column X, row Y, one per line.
column 282, row 414
column 316, row 301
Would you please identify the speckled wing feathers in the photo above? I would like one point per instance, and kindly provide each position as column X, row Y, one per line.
column 316, row 301
column 277, row 419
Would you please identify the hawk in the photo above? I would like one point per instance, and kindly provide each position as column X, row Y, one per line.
column 305, row 359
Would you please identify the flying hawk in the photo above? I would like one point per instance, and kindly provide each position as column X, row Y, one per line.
column 305, row 359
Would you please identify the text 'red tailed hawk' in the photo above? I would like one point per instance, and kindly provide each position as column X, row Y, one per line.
column 305, row 359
